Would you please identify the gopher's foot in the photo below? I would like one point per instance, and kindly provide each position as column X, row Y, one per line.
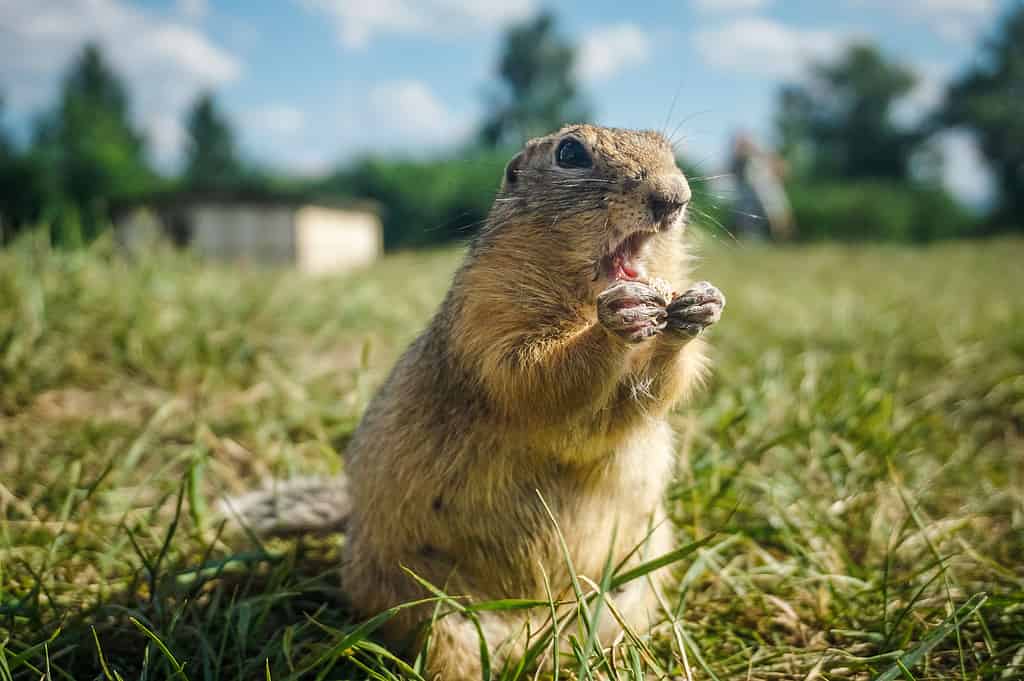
column 695, row 310
column 632, row 310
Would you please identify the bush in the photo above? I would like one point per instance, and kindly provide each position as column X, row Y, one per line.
column 23, row 193
column 425, row 201
column 877, row 210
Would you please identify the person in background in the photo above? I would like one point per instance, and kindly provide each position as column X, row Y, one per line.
column 761, row 210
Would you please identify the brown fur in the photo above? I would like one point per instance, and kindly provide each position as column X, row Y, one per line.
column 521, row 389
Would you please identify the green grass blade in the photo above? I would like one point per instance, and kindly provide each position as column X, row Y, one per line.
column 179, row 669
column 659, row 562
column 913, row 657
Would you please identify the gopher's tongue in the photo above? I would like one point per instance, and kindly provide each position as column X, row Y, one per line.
column 622, row 269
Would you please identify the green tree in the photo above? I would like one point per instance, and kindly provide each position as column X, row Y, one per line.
column 423, row 201
column 89, row 145
column 538, row 91
column 6, row 146
column 21, row 186
column 840, row 122
column 988, row 100
column 211, row 159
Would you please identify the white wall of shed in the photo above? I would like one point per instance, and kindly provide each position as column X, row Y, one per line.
column 329, row 239
column 139, row 230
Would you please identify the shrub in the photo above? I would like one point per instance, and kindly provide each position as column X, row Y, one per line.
column 424, row 201
column 877, row 210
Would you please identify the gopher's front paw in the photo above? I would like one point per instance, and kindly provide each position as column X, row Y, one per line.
column 695, row 310
column 632, row 310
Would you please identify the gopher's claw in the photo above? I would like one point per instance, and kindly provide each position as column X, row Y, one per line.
column 632, row 310
column 695, row 310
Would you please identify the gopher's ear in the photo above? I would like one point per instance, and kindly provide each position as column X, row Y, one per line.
column 512, row 171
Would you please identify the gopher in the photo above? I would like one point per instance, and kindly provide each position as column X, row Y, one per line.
column 545, row 378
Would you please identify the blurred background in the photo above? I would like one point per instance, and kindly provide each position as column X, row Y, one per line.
column 852, row 120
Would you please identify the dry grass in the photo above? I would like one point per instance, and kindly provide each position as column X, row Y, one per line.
column 859, row 454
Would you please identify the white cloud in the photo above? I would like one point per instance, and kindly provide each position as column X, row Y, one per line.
column 166, row 135
column 309, row 163
column 193, row 9
column 403, row 117
column 276, row 119
column 608, row 50
column 411, row 110
column 165, row 63
column 964, row 171
column 767, row 47
column 928, row 92
column 730, row 5
column 952, row 20
column 181, row 49
column 357, row 22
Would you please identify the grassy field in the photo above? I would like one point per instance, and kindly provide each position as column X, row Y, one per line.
column 858, row 458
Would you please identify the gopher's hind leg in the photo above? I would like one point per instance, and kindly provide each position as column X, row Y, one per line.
column 453, row 645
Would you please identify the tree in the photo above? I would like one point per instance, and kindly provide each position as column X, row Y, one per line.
column 21, row 186
column 840, row 122
column 538, row 91
column 88, row 145
column 211, row 159
column 988, row 100
column 6, row 146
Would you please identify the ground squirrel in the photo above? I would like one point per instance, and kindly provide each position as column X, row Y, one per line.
column 547, row 373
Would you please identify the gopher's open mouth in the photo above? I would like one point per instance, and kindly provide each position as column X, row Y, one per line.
column 623, row 263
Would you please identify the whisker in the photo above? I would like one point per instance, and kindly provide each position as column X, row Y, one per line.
column 672, row 107
column 687, row 119
column 706, row 178
column 716, row 222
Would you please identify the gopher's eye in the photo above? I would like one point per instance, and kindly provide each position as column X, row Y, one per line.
column 572, row 154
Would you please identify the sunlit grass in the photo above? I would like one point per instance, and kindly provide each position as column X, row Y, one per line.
column 856, row 467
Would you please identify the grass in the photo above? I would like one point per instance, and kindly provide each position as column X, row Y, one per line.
column 855, row 468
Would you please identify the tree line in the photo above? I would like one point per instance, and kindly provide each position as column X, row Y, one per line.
column 858, row 172
column 855, row 171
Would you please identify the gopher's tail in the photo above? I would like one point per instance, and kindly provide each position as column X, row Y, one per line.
column 308, row 505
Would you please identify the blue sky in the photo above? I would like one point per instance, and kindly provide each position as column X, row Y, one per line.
column 310, row 83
